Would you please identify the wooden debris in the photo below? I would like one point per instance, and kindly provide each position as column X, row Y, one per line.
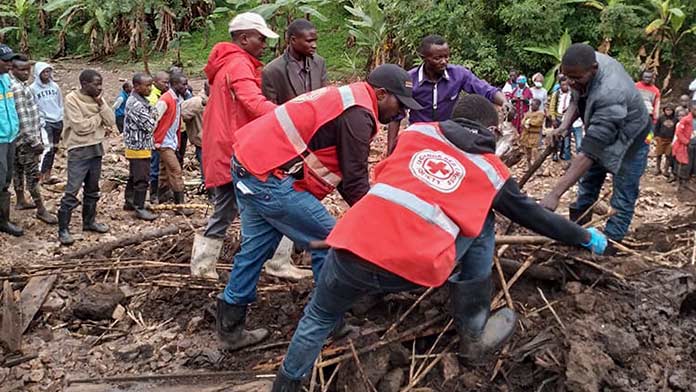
column 358, row 364
column 553, row 311
column 408, row 311
column 503, row 284
column 33, row 296
column 171, row 207
column 11, row 332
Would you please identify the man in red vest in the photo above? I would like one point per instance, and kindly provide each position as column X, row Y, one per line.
column 285, row 162
column 429, row 209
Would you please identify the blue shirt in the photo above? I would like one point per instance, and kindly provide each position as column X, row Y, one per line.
column 438, row 98
column 9, row 122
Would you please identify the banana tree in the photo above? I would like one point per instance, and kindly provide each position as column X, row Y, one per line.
column 668, row 31
column 368, row 27
column 20, row 11
column 555, row 51
column 98, row 21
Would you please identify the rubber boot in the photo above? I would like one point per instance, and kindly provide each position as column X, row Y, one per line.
column 230, row 322
column 658, row 166
column 179, row 199
column 480, row 334
column 22, row 202
column 139, row 207
column 154, row 186
column 89, row 215
column 42, row 213
column 204, row 256
column 283, row 383
column 5, row 225
column 129, row 200
column 64, row 236
column 574, row 213
column 164, row 195
column 281, row 266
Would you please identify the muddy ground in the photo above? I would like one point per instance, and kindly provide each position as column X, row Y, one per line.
column 627, row 325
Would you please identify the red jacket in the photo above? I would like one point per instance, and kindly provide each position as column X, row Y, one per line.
column 426, row 194
column 276, row 138
column 235, row 99
column 682, row 134
column 167, row 119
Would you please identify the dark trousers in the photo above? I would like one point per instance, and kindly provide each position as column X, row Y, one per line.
column 119, row 123
column 7, row 160
column 138, row 177
column 199, row 158
column 182, row 149
column 154, row 166
column 27, row 166
column 82, row 172
column 224, row 213
column 53, row 130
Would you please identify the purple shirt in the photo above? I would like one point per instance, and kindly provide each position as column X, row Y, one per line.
column 438, row 99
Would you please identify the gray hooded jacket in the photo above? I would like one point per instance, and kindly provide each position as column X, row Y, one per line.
column 614, row 115
column 48, row 96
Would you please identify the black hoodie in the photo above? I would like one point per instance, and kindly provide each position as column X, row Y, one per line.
column 473, row 138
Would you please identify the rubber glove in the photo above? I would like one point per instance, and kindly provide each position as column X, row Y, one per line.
column 597, row 243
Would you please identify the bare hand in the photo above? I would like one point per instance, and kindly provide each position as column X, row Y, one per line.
column 550, row 202
column 99, row 101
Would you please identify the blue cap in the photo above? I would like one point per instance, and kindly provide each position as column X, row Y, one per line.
column 522, row 79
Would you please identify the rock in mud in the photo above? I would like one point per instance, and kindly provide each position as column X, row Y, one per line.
column 375, row 364
column 587, row 365
column 97, row 302
column 392, row 381
column 450, row 367
column 620, row 345
column 134, row 351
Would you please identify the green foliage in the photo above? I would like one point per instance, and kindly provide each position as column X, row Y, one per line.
column 556, row 52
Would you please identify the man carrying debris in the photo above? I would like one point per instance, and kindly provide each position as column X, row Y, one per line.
column 617, row 124
column 286, row 162
column 138, row 128
column 429, row 211
column 88, row 119
column 29, row 146
column 234, row 74
column 297, row 71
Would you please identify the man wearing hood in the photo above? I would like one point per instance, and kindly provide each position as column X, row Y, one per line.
column 9, row 130
column 234, row 75
column 50, row 100
column 429, row 209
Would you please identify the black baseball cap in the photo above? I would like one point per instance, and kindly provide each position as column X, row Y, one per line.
column 6, row 53
column 397, row 81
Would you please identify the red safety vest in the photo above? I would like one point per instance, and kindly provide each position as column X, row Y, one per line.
column 275, row 138
column 426, row 194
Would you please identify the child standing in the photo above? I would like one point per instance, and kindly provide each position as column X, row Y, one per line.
column 684, row 148
column 664, row 133
column 532, row 123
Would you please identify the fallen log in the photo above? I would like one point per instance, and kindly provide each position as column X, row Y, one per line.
column 108, row 247
column 33, row 296
column 538, row 272
column 11, row 332
column 169, row 207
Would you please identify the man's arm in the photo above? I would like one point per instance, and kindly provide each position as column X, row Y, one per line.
column 249, row 94
column 392, row 135
column 473, row 85
column 161, row 108
column 692, row 86
column 267, row 88
column 355, row 129
column 580, row 164
column 117, row 102
column 324, row 75
column 656, row 107
column 107, row 115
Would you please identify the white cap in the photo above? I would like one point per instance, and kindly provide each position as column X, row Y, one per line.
column 251, row 21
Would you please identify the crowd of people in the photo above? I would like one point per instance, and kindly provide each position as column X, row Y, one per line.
column 272, row 142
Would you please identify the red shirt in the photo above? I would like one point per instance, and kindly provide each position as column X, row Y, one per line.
column 651, row 97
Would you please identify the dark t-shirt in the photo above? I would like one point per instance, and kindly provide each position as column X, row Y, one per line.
column 665, row 127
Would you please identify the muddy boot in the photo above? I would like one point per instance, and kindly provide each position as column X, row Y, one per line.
column 89, row 215
column 5, row 225
column 281, row 266
column 164, row 195
column 154, row 186
column 283, row 383
column 139, row 207
column 43, row 214
column 575, row 213
column 22, row 203
column 64, row 227
column 480, row 334
column 667, row 169
column 129, row 200
column 230, row 320
column 658, row 166
column 204, row 256
column 179, row 199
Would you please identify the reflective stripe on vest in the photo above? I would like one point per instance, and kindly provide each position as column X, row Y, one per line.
column 429, row 212
column 496, row 180
column 288, row 126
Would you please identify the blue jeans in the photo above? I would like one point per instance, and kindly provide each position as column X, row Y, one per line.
column 154, row 166
column 199, row 158
column 625, row 190
column 269, row 210
column 345, row 278
column 577, row 134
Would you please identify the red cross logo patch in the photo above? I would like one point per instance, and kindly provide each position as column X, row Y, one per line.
column 438, row 170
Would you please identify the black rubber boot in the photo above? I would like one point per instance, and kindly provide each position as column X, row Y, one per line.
column 179, row 199
column 230, row 320
column 284, row 384
column 139, row 207
column 129, row 199
column 64, row 227
column 574, row 213
column 5, row 225
column 89, row 215
column 480, row 334
column 154, row 186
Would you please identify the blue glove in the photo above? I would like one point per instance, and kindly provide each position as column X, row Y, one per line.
column 597, row 243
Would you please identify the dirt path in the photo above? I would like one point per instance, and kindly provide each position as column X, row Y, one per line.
column 632, row 335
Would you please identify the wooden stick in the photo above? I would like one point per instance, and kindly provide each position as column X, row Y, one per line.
column 551, row 308
column 168, row 207
column 437, row 340
column 149, row 377
column 430, row 367
column 535, row 166
column 591, row 264
column 331, row 378
column 693, row 252
column 503, row 283
column 408, row 311
column 360, row 368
